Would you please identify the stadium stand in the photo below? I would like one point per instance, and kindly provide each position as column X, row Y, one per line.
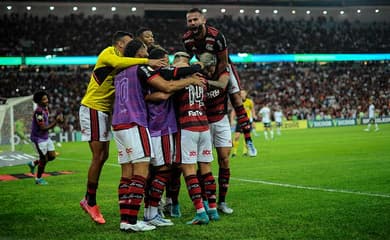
column 29, row 35
column 304, row 90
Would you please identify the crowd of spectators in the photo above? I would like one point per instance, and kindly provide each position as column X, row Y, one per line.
column 24, row 34
column 303, row 90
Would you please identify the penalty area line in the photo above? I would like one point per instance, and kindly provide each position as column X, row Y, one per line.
column 286, row 185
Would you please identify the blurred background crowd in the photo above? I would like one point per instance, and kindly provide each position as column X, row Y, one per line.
column 303, row 90
column 24, row 34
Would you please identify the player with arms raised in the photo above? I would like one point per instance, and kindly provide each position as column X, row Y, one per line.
column 202, row 38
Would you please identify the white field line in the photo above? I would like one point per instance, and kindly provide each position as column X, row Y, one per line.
column 286, row 185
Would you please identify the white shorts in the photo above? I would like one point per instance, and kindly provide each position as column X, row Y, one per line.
column 95, row 125
column 134, row 145
column 234, row 81
column 220, row 133
column 43, row 147
column 164, row 149
column 196, row 147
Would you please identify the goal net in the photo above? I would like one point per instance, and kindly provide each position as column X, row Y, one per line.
column 15, row 124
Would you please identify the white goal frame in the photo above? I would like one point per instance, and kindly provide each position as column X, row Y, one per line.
column 11, row 102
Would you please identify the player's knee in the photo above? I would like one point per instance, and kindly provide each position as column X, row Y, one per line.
column 105, row 157
column 204, row 167
column 223, row 162
column 100, row 157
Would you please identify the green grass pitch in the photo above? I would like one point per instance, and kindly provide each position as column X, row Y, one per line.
column 331, row 183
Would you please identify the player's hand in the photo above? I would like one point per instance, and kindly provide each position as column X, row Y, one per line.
column 198, row 74
column 199, row 80
column 60, row 118
column 162, row 62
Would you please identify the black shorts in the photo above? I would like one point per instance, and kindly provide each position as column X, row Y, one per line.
column 267, row 125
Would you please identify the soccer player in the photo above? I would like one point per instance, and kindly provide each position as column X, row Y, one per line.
column 163, row 128
column 131, row 133
column 202, row 38
column 278, row 116
column 95, row 113
column 196, row 149
column 146, row 36
column 250, row 111
column 371, row 116
column 216, row 109
column 171, row 204
column 40, row 135
column 265, row 113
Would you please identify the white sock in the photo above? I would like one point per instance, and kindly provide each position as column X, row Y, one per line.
column 153, row 211
column 272, row 134
column 146, row 213
column 265, row 134
column 200, row 210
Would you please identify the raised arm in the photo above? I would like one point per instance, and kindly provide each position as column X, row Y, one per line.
column 110, row 58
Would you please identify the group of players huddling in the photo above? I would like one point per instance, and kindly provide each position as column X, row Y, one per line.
column 165, row 121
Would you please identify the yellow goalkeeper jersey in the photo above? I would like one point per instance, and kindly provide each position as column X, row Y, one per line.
column 100, row 91
column 248, row 106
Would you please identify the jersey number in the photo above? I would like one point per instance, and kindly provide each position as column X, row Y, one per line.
column 195, row 95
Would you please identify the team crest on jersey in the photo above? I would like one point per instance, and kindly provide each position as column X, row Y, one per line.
column 39, row 117
column 209, row 47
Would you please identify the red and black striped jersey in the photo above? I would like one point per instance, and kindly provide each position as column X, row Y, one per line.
column 216, row 103
column 214, row 42
column 191, row 108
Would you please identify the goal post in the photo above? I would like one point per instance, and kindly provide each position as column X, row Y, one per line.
column 15, row 122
